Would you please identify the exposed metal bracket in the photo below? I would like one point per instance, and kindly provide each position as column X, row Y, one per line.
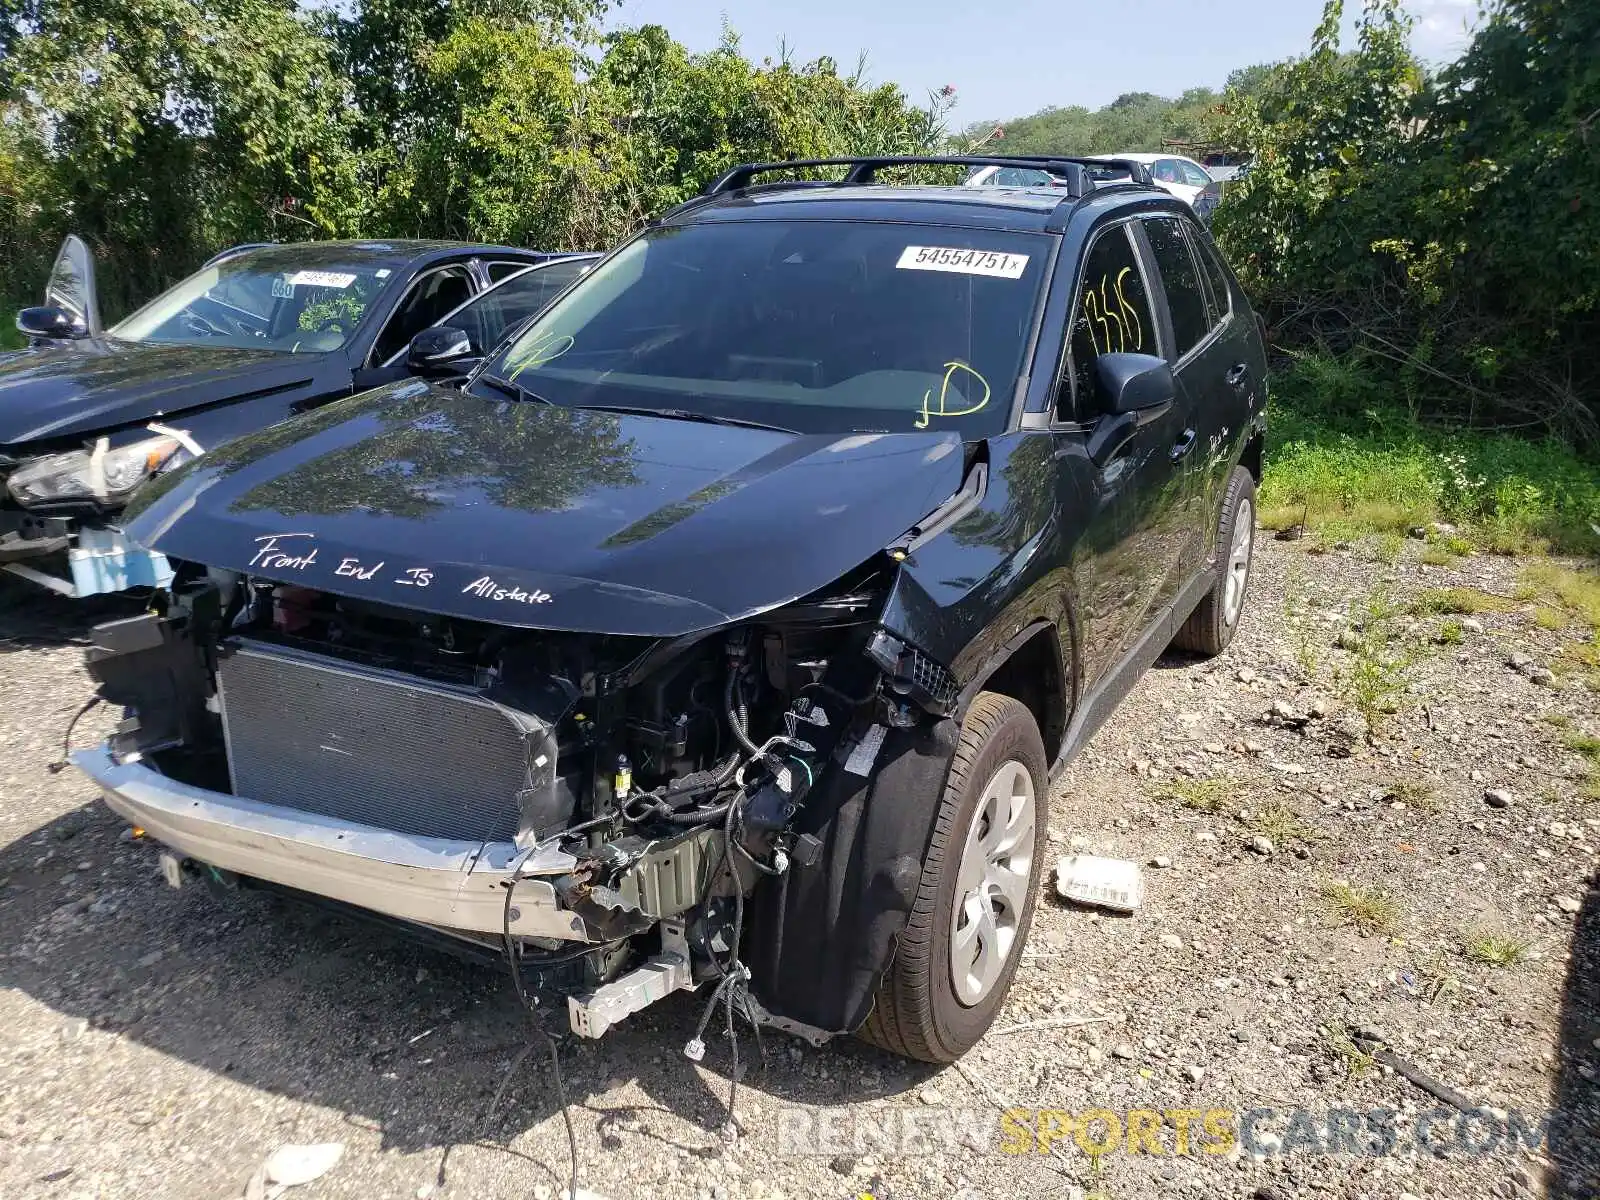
column 594, row 1013
column 806, row 1033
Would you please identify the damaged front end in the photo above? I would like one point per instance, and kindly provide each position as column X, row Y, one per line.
column 621, row 816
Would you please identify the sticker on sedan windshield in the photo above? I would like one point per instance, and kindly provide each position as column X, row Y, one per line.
column 993, row 263
column 336, row 279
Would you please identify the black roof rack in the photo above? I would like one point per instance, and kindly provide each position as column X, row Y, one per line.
column 1075, row 171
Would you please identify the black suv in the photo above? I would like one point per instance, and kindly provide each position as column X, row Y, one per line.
column 725, row 631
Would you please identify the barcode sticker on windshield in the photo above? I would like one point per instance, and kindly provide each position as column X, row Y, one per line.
column 993, row 263
column 338, row 279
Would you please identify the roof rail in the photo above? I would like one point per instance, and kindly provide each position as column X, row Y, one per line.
column 1075, row 171
column 1138, row 172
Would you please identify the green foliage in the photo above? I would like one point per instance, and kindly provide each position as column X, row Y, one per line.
column 1132, row 122
column 1444, row 230
column 161, row 130
column 1344, row 455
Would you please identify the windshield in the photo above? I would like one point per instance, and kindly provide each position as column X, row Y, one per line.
column 263, row 301
column 820, row 327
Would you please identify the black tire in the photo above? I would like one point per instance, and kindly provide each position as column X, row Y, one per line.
column 916, row 1012
column 1210, row 628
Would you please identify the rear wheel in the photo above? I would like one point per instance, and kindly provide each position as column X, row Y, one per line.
column 1210, row 628
column 962, row 941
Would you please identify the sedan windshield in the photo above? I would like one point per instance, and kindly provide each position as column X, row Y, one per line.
column 263, row 300
column 816, row 326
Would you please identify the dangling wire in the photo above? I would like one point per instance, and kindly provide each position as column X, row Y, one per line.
column 61, row 764
column 531, row 1008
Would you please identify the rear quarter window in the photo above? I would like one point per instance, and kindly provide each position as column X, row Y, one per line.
column 1186, row 297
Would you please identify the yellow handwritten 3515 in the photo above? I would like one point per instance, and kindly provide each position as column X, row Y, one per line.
column 1119, row 329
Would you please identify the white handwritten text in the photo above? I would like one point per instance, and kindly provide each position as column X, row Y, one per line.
column 487, row 588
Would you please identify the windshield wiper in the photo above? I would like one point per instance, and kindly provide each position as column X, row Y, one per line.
column 685, row 414
column 515, row 390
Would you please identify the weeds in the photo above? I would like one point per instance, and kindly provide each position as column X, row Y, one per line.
column 1388, row 546
column 1549, row 618
column 1588, row 746
column 1457, row 601
column 1200, row 795
column 1435, row 556
column 1356, row 1061
column 1367, row 468
column 1494, row 949
column 1282, row 824
column 1437, row 979
column 1450, row 634
column 1367, row 910
column 1302, row 625
column 1380, row 667
column 1559, row 719
column 1413, row 793
column 1577, row 591
column 1585, row 744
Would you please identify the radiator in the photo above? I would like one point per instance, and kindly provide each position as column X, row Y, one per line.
column 381, row 748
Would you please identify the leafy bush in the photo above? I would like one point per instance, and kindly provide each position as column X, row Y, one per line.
column 1444, row 230
column 161, row 130
column 1343, row 454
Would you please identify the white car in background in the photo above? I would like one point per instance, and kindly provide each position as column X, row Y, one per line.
column 1182, row 177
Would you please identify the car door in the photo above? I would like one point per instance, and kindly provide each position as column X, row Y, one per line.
column 1128, row 510
column 1204, row 354
column 490, row 316
column 431, row 295
column 1235, row 366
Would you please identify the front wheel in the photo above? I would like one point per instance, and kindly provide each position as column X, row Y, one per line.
column 964, row 937
column 1210, row 628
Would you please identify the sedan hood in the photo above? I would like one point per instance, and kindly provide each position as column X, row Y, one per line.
column 100, row 384
column 526, row 515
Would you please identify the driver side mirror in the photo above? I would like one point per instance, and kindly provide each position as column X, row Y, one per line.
column 439, row 352
column 49, row 322
column 1131, row 390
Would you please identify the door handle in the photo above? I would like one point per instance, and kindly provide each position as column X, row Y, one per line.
column 1183, row 445
column 1237, row 374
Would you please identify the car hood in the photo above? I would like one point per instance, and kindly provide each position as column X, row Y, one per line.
column 534, row 516
column 98, row 384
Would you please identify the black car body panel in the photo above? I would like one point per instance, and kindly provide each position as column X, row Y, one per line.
column 546, row 518
column 62, row 393
column 65, row 394
column 516, row 535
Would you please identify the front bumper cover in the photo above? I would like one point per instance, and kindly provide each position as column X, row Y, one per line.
column 452, row 885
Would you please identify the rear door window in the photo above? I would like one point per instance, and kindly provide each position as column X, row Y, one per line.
column 1216, row 276
column 504, row 270
column 430, row 298
column 1186, row 298
column 492, row 315
column 1113, row 313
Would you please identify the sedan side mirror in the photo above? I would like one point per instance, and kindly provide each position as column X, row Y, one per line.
column 1131, row 391
column 48, row 321
column 440, row 351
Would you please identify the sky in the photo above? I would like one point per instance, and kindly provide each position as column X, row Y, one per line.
column 1012, row 58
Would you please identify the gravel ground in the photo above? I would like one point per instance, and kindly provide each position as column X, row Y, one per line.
column 163, row 1043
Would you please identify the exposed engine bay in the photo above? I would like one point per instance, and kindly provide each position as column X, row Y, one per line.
column 659, row 809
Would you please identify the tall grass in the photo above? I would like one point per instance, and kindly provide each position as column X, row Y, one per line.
column 1346, row 456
